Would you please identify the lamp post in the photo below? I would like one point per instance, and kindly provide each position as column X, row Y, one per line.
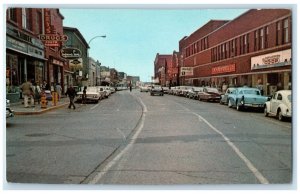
column 103, row 36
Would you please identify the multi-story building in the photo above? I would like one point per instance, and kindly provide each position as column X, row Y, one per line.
column 28, row 55
column 253, row 49
column 81, row 68
column 163, row 69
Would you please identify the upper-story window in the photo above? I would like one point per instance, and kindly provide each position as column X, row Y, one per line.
column 261, row 39
column 12, row 14
column 286, row 31
column 39, row 23
column 278, row 28
column 246, row 43
column 26, row 20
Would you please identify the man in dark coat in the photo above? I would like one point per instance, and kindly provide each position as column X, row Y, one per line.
column 71, row 93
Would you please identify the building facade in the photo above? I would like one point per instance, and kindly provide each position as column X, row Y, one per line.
column 78, row 68
column 163, row 69
column 253, row 49
column 29, row 55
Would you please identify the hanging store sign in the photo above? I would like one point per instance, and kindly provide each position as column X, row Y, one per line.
column 70, row 53
column 223, row 69
column 76, row 64
column 276, row 59
column 186, row 71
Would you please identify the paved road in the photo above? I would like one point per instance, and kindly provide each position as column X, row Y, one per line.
column 135, row 138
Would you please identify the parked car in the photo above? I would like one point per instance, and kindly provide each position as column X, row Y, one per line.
column 209, row 94
column 144, row 88
column 193, row 92
column 105, row 89
column 280, row 105
column 101, row 91
column 92, row 94
column 166, row 90
column 156, row 90
column 112, row 89
column 224, row 97
column 9, row 111
column 246, row 97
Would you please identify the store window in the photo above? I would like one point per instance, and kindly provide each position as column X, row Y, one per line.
column 12, row 74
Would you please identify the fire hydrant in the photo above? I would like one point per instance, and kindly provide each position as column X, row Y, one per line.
column 43, row 100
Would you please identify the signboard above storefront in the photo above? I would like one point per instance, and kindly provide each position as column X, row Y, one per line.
column 223, row 69
column 70, row 53
column 75, row 64
column 275, row 59
column 186, row 71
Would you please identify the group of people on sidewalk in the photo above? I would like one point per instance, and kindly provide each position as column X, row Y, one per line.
column 33, row 91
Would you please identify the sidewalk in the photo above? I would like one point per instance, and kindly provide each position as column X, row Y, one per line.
column 21, row 110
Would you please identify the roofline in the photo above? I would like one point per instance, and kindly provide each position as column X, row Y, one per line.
column 77, row 32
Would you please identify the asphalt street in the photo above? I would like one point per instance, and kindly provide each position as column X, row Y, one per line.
column 133, row 138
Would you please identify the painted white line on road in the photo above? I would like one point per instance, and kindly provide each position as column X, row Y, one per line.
column 116, row 159
column 94, row 106
column 124, row 137
column 251, row 167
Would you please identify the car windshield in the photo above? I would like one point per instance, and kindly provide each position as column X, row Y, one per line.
column 255, row 92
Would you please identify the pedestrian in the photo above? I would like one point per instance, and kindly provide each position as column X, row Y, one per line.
column 83, row 97
column 27, row 91
column 37, row 93
column 45, row 85
column 58, row 89
column 130, row 87
column 71, row 93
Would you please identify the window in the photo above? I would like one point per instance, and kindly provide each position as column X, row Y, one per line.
column 267, row 37
column 39, row 27
column 286, row 31
column 246, row 44
column 261, row 39
column 12, row 14
column 256, row 40
column 279, row 97
column 278, row 33
column 223, row 51
column 26, row 13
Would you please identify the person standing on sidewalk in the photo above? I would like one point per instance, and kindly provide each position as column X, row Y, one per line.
column 84, row 95
column 71, row 93
column 27, row 91
column 58, row 90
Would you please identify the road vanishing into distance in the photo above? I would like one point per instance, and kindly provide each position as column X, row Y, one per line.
column 133, row 138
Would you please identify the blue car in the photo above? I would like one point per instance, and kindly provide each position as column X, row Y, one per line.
column 246, row 97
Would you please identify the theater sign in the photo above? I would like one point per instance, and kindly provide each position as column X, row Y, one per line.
column 276, row 59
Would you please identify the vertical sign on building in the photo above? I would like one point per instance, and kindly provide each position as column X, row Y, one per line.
column 47, row 21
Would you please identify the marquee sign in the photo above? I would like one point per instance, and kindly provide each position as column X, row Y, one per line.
column 186, row 71
column 70, row 53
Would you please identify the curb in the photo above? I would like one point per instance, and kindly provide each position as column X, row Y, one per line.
column 40, row 111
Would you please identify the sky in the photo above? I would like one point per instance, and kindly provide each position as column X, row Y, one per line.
column 135, row 36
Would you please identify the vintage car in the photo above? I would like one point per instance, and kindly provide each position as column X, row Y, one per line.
column 92, row 95
column 156, row 90
column 224, row 97
column 144, row 88
column 193, row 92
column 209, row 94
column 166, row 90
column 246, row 97
column 9, row 111
column 280, row 105
column 104, row 91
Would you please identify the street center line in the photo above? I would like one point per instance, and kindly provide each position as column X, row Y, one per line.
column 116, row 159
column 251, row 167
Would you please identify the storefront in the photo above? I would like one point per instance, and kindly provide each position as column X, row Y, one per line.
column 24, row 61
column 272, row 71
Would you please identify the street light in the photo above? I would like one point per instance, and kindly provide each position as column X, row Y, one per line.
column 103, row 36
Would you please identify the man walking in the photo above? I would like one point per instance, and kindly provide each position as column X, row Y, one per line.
column 71, row 93
column 27, row 93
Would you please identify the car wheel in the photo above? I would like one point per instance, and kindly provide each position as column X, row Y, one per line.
column 280, row 116
column 238, row 107
column 229, row 104
column 266, row 111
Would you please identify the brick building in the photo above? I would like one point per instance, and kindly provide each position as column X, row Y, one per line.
column 27, row 57
column 163, row 69
column 252, row 49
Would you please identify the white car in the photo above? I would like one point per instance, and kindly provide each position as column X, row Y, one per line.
column 106, row 90
column 144, row 88
column 92, row 94
column 9, row 111
column 280, row 105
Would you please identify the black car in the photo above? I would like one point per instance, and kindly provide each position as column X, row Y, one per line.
column 156, row 90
